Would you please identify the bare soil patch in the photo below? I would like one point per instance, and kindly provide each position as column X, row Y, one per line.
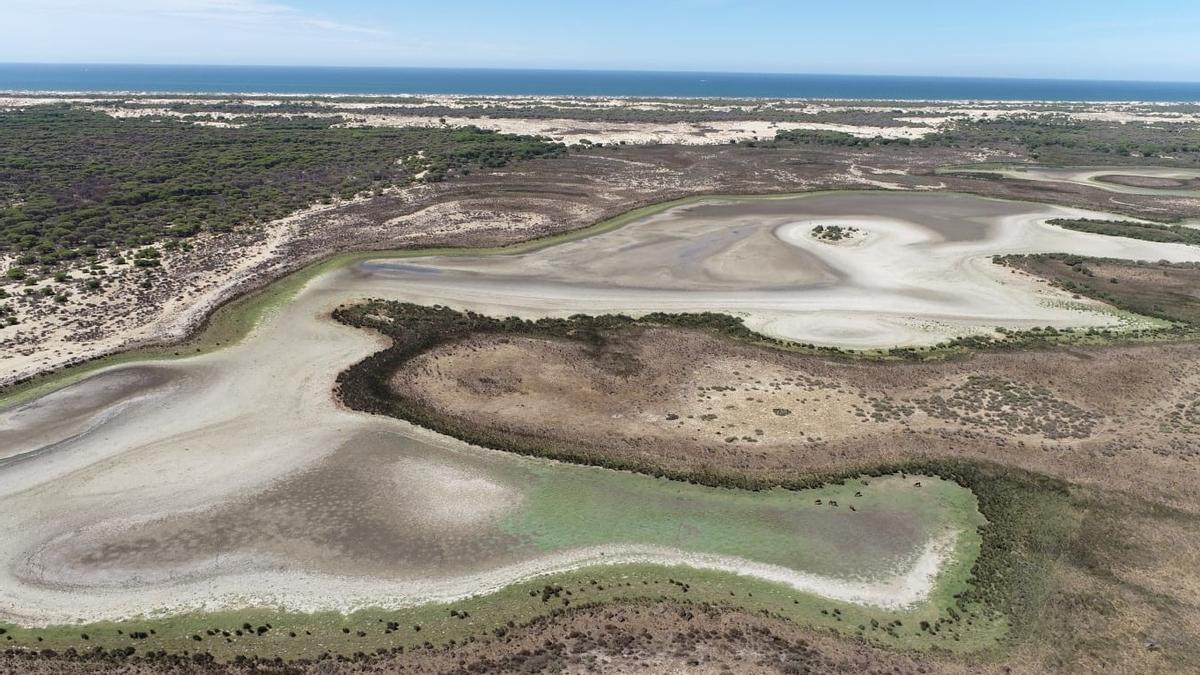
column 365, row 510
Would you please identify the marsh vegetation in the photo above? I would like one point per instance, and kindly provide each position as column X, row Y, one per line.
column 1168, row 234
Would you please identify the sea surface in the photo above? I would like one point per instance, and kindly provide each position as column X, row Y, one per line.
column 479, row 81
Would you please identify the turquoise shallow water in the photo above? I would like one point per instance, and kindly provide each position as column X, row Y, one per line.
column 319, row 80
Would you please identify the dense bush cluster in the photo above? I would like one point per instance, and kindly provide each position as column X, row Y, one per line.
column 72, row 181
column 835, row 138
column 1056, row 138
column 1171, row 234
column 834, row 232
column 1064, row 136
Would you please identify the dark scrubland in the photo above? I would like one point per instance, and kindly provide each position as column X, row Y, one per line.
column 76, row 181
column 1050, row 130
column 1050, row 139
column 840, row 139
column 1060, row 140
column 1171, row 234
column 688, row 112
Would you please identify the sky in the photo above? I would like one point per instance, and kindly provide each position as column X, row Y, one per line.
column 1086, row 39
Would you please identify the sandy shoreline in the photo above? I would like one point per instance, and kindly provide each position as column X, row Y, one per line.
column 907, row 587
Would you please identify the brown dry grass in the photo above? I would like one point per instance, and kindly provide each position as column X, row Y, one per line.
column 679, row 398
column 1120, row 595
column 626, row 638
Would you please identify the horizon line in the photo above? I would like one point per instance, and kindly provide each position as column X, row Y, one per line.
column 597, row 70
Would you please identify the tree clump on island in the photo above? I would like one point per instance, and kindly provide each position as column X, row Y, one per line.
column 834, row 232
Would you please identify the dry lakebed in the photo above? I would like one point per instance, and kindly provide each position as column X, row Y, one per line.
column 235, row 478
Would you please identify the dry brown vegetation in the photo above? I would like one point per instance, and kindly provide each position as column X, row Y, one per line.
column 679, row 399
column 622, row 638
column 1165, row 290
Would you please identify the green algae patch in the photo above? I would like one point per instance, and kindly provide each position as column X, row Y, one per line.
column 857, row 530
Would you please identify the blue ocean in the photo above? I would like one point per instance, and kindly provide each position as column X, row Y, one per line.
column 480, row 81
